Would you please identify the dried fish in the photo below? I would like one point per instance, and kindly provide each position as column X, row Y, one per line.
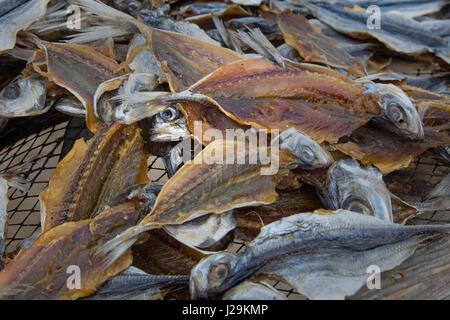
column 16, row 16
column 206, row 233
column 41, row 271
column 357, row 189
column 217, row 182
column 322, row 229
column 92, row 175
column 399, row 33
column 79, row 69
column 135, row 284
column 314, row 46
column 400, row 115
column 337, row 273
column 23, row 98
column 249, row 290
column 386, row 150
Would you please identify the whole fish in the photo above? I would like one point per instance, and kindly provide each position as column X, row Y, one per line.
column 321, row 229
column 337, row 273
column 357, row 189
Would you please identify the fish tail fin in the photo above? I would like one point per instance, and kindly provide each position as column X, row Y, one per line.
column 228, row 37
column 110, row 251
column 16, row 175
column 113, row 23
column 256, row 40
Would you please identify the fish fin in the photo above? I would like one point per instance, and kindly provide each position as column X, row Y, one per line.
column 104, row 31
column 116, row 247
column 256, row 40
column 102, row 10
column 15, row 175
column 138, row 106
column 442, row 189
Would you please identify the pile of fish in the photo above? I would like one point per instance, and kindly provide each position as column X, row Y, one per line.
column 326, row 86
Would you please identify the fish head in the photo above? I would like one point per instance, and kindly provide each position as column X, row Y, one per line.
column 169, row 125
column 310, row 154
column 400, row 115
column 359, row 190
column 212, row 275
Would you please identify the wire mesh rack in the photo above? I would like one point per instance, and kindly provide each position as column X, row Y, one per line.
column 48, row 138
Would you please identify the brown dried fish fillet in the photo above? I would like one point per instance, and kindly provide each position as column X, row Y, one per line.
column 257, row 93
column 91, row 176
column 78, row 68
column 43, row 270
column 314, row 46
column 386, row 150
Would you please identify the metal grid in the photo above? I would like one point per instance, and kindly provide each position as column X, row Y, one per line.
column 51, row 136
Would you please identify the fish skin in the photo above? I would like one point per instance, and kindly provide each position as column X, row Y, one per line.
column 23, row 98
column 321, row 229
column 135, row 284
column 333, row 274
column 18, row 16
column 205, row 233
column 352, row 187
column 249, row 290
column 3, row 214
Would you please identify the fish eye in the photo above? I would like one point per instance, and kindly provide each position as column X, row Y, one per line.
column 219, row 272
column 169, row 114
column 395, row 112
column 357, row 205
column 307, row 155
column 12, row 91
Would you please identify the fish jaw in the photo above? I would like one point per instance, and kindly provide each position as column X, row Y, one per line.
column 309, row 153
column 400, row 115
column 359, row 189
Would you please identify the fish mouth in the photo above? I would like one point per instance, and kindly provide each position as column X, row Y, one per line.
column 170, row 133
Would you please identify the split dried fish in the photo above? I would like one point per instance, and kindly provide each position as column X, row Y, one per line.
column 386, row 150
column 92, row 175
column 79, row 69
column 28, row 275
column 322, row 229
column 314, row 46
column 357, row 189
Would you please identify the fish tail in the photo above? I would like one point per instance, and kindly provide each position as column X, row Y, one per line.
column 113, row 23
column 110, row 251
column 256, row 40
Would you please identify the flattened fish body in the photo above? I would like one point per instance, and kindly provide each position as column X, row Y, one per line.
column 42, row 271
